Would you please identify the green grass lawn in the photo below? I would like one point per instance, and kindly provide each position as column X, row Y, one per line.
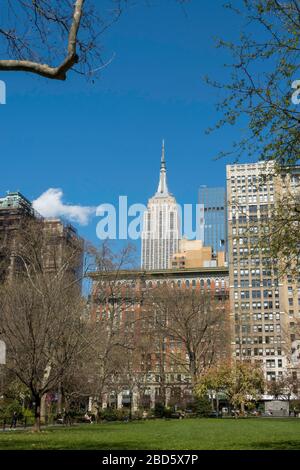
column 189, row 434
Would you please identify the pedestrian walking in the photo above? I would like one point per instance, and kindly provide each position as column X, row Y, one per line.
column 14, row 420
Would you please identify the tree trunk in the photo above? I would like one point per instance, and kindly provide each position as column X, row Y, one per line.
column 192, row 368
column 37, row 413
column 59, row 399
column 43, row 412
column 217, row 403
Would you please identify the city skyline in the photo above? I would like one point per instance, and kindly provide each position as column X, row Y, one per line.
column 123, row 115
column 52, row 203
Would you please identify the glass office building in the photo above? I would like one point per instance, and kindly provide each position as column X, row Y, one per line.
column 215, row 220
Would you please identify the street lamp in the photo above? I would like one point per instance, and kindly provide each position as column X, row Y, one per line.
column 2, row 359
column 130, row 408
column 2, row 352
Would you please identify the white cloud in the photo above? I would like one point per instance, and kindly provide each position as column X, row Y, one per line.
column 50, row 204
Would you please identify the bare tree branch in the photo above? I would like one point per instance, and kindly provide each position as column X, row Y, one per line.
column 60, row 72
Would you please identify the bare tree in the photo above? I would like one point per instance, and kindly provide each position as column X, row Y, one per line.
column 40, row 313
column 38, row 34
column 114, row 326
column 147, row 334
column 285, row 387
column 194, row 324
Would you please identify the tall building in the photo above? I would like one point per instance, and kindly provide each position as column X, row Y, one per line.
column 263, row 303
column 15, row 213
column 15, row 210
column 213, row 201
column 66, row 245
column 161, row 228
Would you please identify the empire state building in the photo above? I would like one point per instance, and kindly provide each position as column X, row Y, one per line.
column 161, row 228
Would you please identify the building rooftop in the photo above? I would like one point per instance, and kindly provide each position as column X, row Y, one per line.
column 14, row 200
column 135, row 273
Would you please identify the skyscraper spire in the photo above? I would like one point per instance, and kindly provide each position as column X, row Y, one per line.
column 163, row 161
column 161, row 225
column 162, row 187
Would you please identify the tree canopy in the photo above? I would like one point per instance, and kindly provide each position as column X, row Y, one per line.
column 261, row 91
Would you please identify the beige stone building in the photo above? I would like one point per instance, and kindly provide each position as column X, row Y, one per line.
column 192, row 254
column 263, row 304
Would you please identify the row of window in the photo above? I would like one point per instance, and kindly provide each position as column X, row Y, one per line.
column 192, row 282
column 252, row 198
column 252, row 189
column 267, row 328
column 257, row 316
column 255, row 283
column 259, row 340
column 248, row 352
column 254, row 272
column 256, row 294
column 251, row 178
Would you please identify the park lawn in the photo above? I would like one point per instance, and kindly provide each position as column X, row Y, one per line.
column 188, row 434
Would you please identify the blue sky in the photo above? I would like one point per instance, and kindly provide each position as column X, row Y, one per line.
column 99, row 140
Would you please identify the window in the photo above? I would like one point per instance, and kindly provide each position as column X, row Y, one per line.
column 270, row 363
column 268, row 294
column 172, row 220
column 245, row 294
column 256, row 294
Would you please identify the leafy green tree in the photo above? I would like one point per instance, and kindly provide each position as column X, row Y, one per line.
column 281, row 231
column 241, row 383
column 263, row 90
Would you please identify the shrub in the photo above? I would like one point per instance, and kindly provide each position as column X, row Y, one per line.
column 159, row 410
column 28, row 416
column 110, row 414
column 7, row 410
column 202, row 407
